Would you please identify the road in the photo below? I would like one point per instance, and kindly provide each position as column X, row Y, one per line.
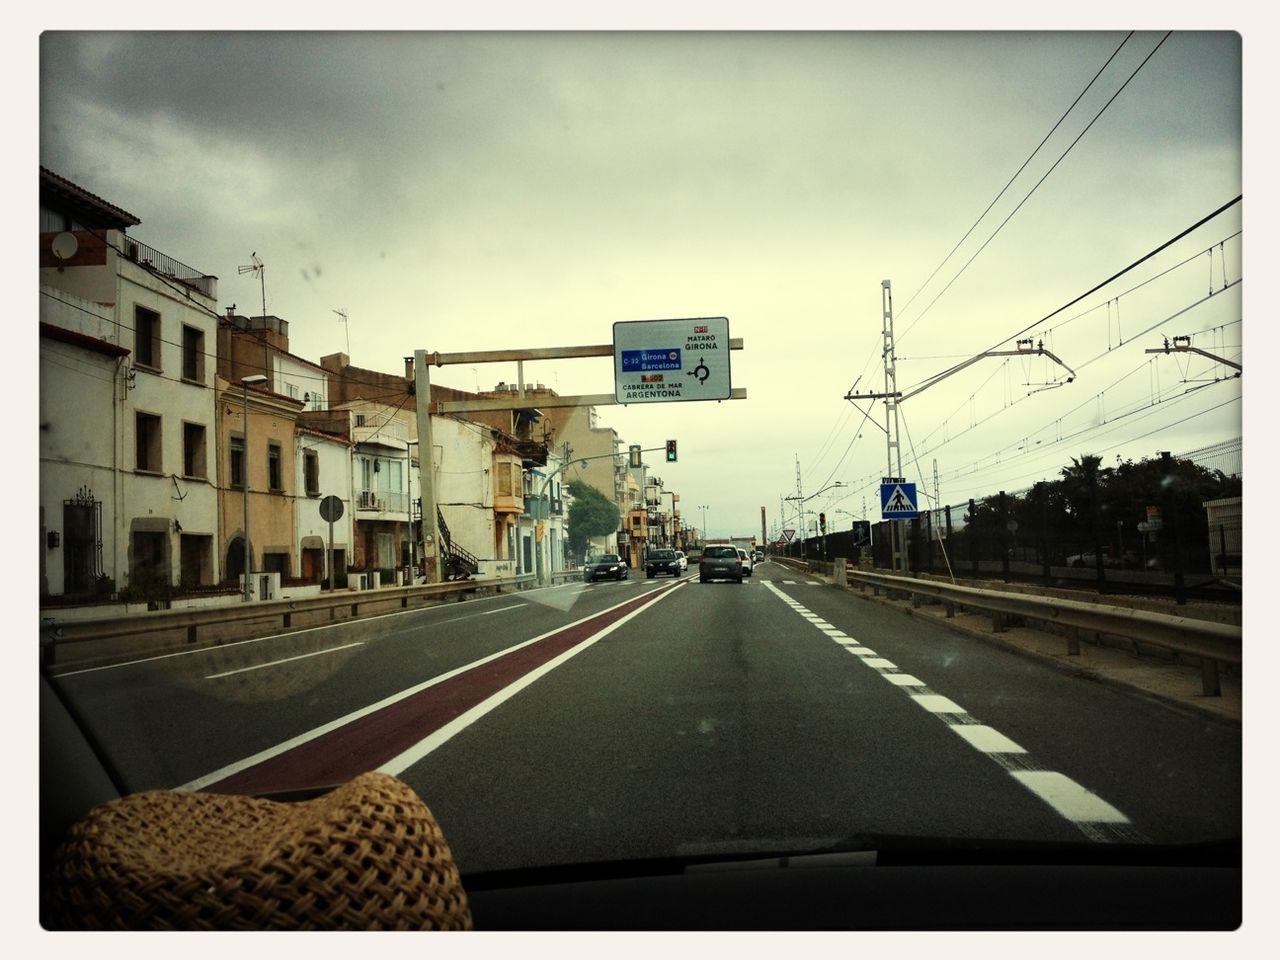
column 606, row 721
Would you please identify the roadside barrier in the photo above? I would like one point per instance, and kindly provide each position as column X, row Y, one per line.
column 1213, row 643
column 166, row 631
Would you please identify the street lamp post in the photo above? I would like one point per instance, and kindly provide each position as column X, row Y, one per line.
column 703, row 508
column 257, row 378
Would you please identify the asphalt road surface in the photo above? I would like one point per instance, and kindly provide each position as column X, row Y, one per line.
column 604, row 721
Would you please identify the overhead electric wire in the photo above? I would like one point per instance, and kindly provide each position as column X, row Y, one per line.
column 1005, row 188
column 1069, row 149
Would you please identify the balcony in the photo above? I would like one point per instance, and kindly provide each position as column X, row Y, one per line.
column 166, row 266
column 532, row 453
column 382, row 501
column 378, row 428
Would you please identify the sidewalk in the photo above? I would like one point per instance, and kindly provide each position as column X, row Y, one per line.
column 1168, row 681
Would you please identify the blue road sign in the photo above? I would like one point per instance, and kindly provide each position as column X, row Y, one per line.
column 898, row 501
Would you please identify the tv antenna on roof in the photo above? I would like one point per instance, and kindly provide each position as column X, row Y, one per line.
column 258, row 270
column 342, row 314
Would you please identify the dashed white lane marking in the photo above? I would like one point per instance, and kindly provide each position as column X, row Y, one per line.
column 987, row 739
column 790, row 583
column 936, row 703
column 1094, row 817
column 901, row 679
column 1069, row 798
column 813, row 583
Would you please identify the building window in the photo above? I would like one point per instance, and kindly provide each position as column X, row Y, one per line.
column 192, row 354
column 146, row 337
column 236, row 472
column 193, row 451
column 147, row 427
column 274, row 474
column 359, row 419
column 311, row 472
column 504, row 480
column 291, row 390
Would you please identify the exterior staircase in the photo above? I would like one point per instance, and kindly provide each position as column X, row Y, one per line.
column 455, row 562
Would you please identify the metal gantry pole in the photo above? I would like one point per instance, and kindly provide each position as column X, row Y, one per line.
column 426, row 465
column 244, row 461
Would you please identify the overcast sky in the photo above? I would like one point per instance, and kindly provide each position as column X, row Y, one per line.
column 474, row 191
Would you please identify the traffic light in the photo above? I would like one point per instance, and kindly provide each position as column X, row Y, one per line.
column 635, row 455
column 671, row 451
column 822, row 522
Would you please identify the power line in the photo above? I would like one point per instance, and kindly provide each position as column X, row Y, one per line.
column 1005, row 188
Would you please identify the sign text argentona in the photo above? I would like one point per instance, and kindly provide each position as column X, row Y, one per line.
column 658, row 361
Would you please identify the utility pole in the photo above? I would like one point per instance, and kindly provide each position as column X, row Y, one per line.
column 897, row 546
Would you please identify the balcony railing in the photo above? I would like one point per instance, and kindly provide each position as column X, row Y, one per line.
column 166, row 266
column 383, row 501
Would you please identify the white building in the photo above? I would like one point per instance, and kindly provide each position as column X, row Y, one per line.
column 156, row 518
column 323, row 464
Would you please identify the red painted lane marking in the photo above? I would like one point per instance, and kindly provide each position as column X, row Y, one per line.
column 369, row 741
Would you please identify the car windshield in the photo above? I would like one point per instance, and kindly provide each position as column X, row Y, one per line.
column 376, row 369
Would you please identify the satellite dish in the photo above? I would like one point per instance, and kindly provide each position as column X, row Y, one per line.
column 65, row 245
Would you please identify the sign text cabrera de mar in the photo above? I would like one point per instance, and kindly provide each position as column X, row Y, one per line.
column 657, row 361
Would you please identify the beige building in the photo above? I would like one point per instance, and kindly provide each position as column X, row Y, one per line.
column 267, row 442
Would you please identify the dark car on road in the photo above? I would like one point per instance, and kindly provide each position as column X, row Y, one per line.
column 720, row 562
column 662, row 561
column 606, row 566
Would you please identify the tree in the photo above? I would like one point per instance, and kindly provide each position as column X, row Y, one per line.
column 592, row 514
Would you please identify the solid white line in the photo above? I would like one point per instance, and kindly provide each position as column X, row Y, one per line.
column 275, row 663
column 984, row 738
column 398, row 764
column 279, row 748
column 1069, row 798
column 441, row 607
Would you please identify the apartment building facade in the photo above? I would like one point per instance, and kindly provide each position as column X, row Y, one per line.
column 134, row 507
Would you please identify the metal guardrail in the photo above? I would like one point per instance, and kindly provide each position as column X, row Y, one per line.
column 62, row 634
column 1213, row 643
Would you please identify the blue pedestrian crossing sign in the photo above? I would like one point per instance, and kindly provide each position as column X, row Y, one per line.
column 898, row 501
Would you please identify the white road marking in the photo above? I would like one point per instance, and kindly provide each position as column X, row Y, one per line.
column 439, row 607
column 1069, row 798
column 276, row 663
column 813, row 583
column 935, row 703
column 790, row 583
column 902, row 679
column 403, row 761
column 283, row 747
column 987, row 739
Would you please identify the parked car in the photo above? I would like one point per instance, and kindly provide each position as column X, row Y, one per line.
column 747, row 565
column 720, row 562
column 605, row 566
column 684, row 561
column 661, row 561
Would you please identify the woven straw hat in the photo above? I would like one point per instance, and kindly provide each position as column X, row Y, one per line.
column 367, row 856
